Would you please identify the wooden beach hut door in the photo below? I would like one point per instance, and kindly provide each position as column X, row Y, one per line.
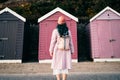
column 109, row 38
column 45, row 38
column 115, row 37
column 7, row 39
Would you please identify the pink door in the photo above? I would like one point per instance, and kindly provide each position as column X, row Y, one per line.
column 42, row 41
column 115, row 37
column 109, row 38
column 105, row 47
column 51, row 25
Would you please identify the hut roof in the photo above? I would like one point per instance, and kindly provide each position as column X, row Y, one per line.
column 56, row 10
column 13, row 12
column 101, row 12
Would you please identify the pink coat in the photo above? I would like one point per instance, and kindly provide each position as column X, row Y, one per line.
column 61, row 59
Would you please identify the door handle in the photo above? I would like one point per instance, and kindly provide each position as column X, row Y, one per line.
column 112, row 40
column 3, row 39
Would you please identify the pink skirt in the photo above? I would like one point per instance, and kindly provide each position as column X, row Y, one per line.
column 61, row 60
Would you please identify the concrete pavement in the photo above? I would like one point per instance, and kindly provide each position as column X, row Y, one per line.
column 43, row 68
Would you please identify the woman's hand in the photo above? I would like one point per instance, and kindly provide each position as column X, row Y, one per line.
column 51, row 54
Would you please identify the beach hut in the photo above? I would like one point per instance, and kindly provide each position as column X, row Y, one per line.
column 47, row 23
column 11, row 36
column 105, row 35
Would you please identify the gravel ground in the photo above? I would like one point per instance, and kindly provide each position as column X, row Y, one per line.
column 44, row 68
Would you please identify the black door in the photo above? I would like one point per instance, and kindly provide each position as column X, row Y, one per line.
column 8, row 39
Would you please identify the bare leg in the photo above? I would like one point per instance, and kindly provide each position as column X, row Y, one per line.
column 64, row 76
column 58, row 76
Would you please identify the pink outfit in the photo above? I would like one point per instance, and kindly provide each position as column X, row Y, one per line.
column 61, row 59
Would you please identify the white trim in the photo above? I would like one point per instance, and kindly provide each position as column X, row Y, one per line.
column 56, row 10
column 107, row 60
column 74, row 60
column 49, row 61
column 12, row 12
column 10, row 61
column 107, row 8
column 45, row 61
